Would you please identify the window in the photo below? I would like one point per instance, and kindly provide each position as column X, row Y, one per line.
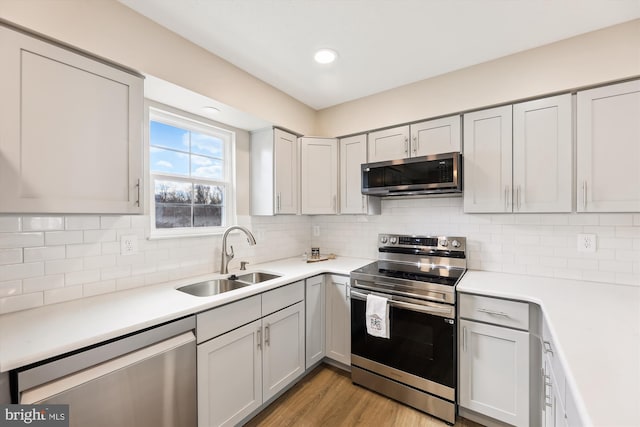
column 191, row 168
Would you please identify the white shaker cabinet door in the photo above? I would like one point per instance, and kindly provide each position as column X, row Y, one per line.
column 338, row 316
column 542, row 155
column 608, row 148
column 494, row 372
column 70, row 131
column 286, row 172
column 487, row 160
column 230, row 376
column 315, row 325
column 435, row 136
column 319, row 175
column 283, row 355
column 389, row 144
column 353, row 153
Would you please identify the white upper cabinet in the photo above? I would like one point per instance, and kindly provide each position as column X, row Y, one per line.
column 353, row 153
column 70, row 131
column 319, row 175
column 608, row 148
column 389, row 144
column 542, row 155
column 519, row 158
column 274, row 172
column 487, row 160
column 435, row 136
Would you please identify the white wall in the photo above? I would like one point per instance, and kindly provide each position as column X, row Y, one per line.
column 593, row 58
column 536, row 244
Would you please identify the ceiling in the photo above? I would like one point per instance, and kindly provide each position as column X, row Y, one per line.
column 382, row 44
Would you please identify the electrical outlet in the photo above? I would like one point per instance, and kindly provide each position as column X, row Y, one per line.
column 586, row 242
column 129, row 245
column 316, row 230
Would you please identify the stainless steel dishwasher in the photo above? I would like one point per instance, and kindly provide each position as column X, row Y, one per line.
column 144, row 379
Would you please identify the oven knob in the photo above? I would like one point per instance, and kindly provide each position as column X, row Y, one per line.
column 393, row 240
column 383, row 239
column 444, row 243
column 455, row 244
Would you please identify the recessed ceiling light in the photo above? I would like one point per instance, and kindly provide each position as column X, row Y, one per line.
column 211, row 110
column 325, row 56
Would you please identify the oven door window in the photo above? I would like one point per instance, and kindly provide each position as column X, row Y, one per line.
column 419, row 343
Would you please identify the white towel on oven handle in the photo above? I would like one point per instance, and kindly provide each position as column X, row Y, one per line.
column 377, row 316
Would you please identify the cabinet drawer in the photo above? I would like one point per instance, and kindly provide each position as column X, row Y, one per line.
column 494, row 310
column 223, row 319
column 280, row 298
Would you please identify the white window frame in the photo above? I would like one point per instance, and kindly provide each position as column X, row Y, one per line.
column 184, row 120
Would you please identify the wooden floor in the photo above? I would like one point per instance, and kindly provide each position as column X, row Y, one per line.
column 326, row 397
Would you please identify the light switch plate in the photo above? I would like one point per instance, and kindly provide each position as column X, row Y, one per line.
column 129, row 245
column 586, row 242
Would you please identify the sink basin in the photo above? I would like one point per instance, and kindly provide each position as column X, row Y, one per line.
column 256, row 277
column 212, row 287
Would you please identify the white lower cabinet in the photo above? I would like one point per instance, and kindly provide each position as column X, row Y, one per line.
column 315, row 313
column 249, row 351
column 338, row 319
column 230, row 376
column 494, row 359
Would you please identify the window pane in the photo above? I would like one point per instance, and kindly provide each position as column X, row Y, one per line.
column 173, row 204
column 168, row 136
column 205, row 167
column 208, row 205
column 167, row 161
column 207, row 145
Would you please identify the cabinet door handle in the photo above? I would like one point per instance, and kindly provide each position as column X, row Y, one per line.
column 493, row 312
column 506, row 198
column 415, row 144
column 547, row 347
column 406, row 145
column 518, row 196
column 584, row 195
column 267, row 336
column 278, row 203
column 259, row 339
column 363, row 204
column 464, row 339
column 138, row 188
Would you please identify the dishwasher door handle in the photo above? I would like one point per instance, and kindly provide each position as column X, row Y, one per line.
column 43, row 392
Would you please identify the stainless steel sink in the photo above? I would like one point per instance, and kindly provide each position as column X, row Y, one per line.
column 212, row 287
column 219, row 286
column 256, row 277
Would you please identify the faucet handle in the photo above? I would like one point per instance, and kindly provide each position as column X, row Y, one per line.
column 230, row 255
column 243, row 265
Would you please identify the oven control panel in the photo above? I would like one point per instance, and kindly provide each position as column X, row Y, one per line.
column 440, row 243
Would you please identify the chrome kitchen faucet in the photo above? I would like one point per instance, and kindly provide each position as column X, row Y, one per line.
column 227, row 257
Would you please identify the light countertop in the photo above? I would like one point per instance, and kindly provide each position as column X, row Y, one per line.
column 33, row 335
column 596, row 330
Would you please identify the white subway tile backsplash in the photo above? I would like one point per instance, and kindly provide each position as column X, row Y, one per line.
column 98, row 288
column 21, row 240
column 11, row 287
column 63, row 237
column 42, row 223
column 92, row 236
column 64, row 265
column 57, row 295
column 10, row 256
column 44, row 253
column 81, row 277
column 83, row 250
column 82, row 222
column 113, row 222
column 42, row 283
column 20, row 302
column 98, row 262
column 10, row 224
column 115, row 272
column 21, row 271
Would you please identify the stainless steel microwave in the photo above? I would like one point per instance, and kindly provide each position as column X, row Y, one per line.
column 429, row 175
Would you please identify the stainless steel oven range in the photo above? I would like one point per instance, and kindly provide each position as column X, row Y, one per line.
column 416, row 365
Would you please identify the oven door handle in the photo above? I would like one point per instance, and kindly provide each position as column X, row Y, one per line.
column 409, row 306
column 377, row 284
